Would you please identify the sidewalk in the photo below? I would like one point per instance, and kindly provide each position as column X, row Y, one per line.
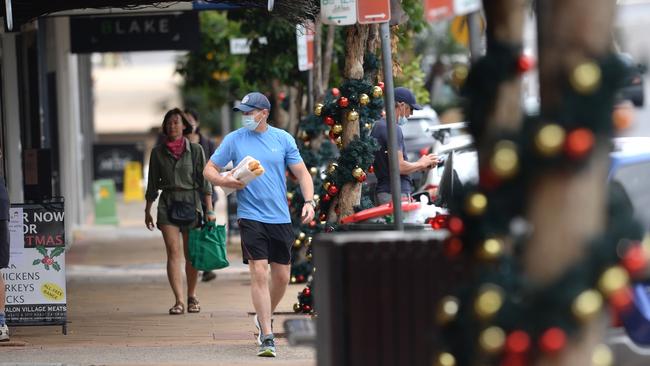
column 118, row 298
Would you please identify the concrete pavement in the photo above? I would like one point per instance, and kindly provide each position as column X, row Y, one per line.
column 118, row 298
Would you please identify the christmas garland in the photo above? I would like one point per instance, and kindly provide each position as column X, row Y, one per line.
column 499, row 316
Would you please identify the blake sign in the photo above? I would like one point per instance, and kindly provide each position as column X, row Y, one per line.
column 135, row 33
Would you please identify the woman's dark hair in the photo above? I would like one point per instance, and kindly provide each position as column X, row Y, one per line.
column 194, row 113
column 169, row 115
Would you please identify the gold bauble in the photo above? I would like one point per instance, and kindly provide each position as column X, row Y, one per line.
column 316, row 198
column 337, row 129
column 331, row 167
column 364, row 99
column 209, row 56
column 377, row 92
column 505, row 160
column 445, row 359
column 313, row 171
column 550, row 139
column 339, row 142
column 585, row 78
column 303, row 135
column 459, row 75
column 309, row 239
column 326, row 185
column 318, row 109
column 353, row 116
column 293, row 279
column 491, row 249
column 289, row 195
column 297, row 308
column 612, row 280
column 476, row 204
column 602, row 356
column 587, row 305
column 309, row 256
column 492, row 340
column 447, row 310
column 297, row 243
column 357, row 172
column 301, row 236
column 488, row 302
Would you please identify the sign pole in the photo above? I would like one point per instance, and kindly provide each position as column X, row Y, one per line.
column 393, row 162
column 9, row 15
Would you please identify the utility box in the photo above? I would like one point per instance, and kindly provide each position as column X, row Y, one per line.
column 376, row 295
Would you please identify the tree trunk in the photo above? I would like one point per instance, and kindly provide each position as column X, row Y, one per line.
column 327, row 57
column 279, row 116
column 317, row 70
column 355, row 48
column 295, row 96
column 567, row 209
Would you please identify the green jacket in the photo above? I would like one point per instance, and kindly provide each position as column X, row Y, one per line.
column 177, row 177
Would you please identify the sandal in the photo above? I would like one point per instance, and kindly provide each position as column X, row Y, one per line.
column 177, row 309
column 193, row 305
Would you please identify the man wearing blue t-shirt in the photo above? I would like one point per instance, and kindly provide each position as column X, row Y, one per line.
column 263, row 212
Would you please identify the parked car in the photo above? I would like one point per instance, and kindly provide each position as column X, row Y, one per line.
column 417, row 134
column 633, row 88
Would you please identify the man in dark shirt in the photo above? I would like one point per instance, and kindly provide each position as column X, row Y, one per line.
column 404, row 105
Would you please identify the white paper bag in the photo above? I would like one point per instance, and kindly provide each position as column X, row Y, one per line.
column 242, row 173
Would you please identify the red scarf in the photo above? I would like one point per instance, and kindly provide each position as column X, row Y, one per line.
column 176, row 147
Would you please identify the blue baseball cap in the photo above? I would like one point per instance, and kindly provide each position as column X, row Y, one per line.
column 404, row 95
column 254, row 100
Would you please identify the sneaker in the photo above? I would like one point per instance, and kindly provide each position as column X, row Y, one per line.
column 267, row 349
column 208, row 276
column 259, row 329
column 4, row 334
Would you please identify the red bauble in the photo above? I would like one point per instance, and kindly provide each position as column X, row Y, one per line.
column 455, row 225
column 327, row 197
column 312, row 223
column 300, row 278
column 306, row 291
column 621, row 300
column 579, row 143
column 635, row 259
column 453, row 247
column 381, row 85
column 518, row 342
column 329, row 121
column 514, row 360
column 322, row 217
column 525, row 63
column 371, row 169
column 336, row 92
column 343, row 102
column 552, row 340
column 306, row 308
column 332, row 190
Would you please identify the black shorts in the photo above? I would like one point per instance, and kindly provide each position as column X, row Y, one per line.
column 4, row 243
column 266, row 241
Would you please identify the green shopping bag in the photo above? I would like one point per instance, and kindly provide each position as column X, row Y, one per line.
column 208, row 247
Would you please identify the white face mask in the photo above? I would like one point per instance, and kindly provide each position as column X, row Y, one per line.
column 249, row 122
column 402, row 121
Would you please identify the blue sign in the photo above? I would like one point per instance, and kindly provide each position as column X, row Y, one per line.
column 207, row 5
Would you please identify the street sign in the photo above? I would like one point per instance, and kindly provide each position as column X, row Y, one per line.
column 135, row 33
column 242, row 46
column 206, row 5
column 438, row 9
column 305, row 40
column 373, row 11
column 338, row 12
column 462, row 7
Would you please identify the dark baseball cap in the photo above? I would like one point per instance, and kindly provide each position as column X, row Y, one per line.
column 254, row 100
column 404, row 95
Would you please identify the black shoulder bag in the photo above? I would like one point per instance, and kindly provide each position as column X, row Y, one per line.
column 180, row 212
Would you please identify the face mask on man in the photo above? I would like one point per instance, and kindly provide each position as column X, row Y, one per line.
column 402, row 120
column 249, row 122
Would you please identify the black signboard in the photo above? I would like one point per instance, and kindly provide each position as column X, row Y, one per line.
column 109, row 161
column 135, row 33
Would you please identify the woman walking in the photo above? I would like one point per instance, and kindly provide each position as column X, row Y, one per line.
column 175, row 167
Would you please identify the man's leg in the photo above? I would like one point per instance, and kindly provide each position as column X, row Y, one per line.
column 280, row 274
column 260, row 292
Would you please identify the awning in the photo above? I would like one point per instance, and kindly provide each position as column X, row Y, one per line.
column 295, row 11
